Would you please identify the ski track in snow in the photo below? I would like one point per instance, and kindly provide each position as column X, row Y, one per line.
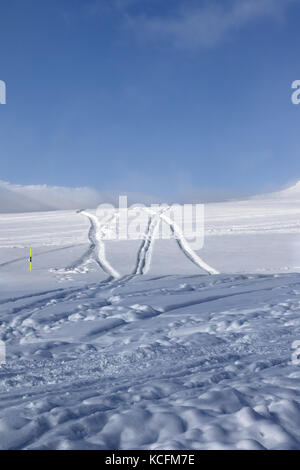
column 184, row 246
column 150, row 361
column 144, row 255
column 135, row 365
column 96, row 250
column 97, row 246
column 145, row 252
column 36, row 255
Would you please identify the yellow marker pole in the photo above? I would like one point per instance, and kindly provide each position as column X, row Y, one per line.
column 30, row 259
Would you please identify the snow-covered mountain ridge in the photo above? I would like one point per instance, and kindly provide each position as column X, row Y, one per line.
column 16, row 198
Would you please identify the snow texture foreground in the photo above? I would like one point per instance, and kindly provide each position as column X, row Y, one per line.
column 164, row 358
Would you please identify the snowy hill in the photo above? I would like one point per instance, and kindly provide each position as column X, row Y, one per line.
column 292, row 192
column 16, row 198
column 126, row 344
column 19, row 198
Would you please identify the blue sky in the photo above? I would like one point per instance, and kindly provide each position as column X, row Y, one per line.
column 169, row 98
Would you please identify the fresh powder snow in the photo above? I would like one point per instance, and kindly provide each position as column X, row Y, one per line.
column 150, row 344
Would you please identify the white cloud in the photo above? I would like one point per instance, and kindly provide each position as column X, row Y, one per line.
column 192, row 25
column 19, row 198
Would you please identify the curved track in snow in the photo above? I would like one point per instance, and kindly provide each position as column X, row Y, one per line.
column 184, row 245
column 97, row 245
column 144, row 256
column 96, row 250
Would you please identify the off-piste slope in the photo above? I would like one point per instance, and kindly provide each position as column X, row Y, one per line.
column 125, row 344
column 173, row 362
column 260, row 234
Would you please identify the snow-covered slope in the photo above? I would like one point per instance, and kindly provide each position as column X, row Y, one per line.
column 15, row 198
column 133, row 344
column 292, row 193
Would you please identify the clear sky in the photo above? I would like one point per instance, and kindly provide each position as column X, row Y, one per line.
column 163, row 97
